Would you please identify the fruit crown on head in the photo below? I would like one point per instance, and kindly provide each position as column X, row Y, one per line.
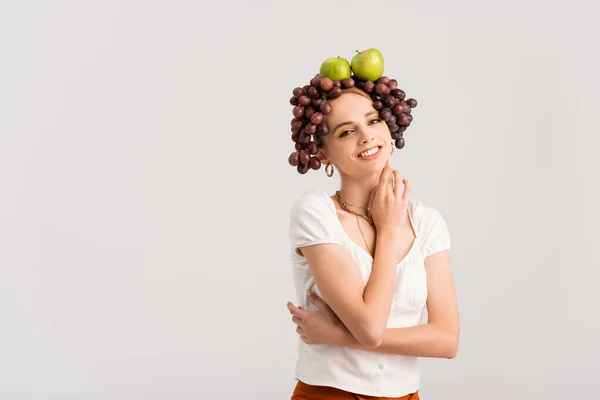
column 311, row 103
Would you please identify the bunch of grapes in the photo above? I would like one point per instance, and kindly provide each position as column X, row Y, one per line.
column 311, row 104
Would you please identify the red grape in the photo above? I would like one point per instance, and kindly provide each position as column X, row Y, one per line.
column 369, row 86
column 313, row 92
column 326, row 84
column 309, row 111
column 335, row 93
column 304, row 137
column 400, row 143
column 315, row 163
column 385, row 114
column 378, row 105
column 403, row 119
column 299, row 92
column 294, row 159
column 304, row 100
column 325, row 108
column 304, row 157
column 302, row 168
column 412, row 103
column 394, row 128
column 399, row 94
column 313, row 148
column 393, row 84
column 405, row 107
column 382, row 89
column 294, row 100
column 323, row 129
column 316, row 103
column 389, row 101
column 310, row 129
column 298, row 111
column 348, row 83
column 337, row 84
column 316, row 81
column 297, row 126
column 316, row 118
column 384, row 79
column 295, row 137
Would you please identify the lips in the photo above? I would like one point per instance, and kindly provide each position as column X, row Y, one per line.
column 369, row 152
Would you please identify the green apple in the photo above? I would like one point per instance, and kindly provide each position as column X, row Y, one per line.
column 336, row 69
column 368, row 65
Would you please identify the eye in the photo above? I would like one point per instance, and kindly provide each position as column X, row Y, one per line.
column 376, row 120
column 345, row 133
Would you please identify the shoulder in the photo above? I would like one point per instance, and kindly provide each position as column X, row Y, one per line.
column 312, row 200
column 313, row 220
column 423, row 215
column 430, row 225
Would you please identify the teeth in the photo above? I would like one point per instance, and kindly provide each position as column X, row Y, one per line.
column 369, row 152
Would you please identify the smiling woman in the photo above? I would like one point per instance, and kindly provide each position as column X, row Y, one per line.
column 367, row 260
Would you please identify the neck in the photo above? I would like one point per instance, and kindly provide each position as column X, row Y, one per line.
column 356, row 191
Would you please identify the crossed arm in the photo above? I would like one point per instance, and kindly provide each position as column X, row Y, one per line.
column 439, row 337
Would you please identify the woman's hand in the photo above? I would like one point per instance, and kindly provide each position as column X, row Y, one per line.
column 321, row 326
column 387, row 205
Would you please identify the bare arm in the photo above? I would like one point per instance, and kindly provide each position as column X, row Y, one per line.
column 440, row 336
column 364, row 310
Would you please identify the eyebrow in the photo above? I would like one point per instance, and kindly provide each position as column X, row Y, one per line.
column 350, row 122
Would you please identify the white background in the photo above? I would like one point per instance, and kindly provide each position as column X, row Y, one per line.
column 145, row 190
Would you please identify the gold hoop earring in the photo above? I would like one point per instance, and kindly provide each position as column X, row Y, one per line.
column 328, row 172
column 392, row 144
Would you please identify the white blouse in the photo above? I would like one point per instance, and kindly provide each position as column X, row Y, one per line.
column 313, row 220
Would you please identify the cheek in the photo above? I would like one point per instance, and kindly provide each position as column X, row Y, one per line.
column 383, row 130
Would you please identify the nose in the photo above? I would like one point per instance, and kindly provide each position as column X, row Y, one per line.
column 365, row 136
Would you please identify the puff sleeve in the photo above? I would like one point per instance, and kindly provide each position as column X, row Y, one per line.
column 437, row 237
column 313, row 221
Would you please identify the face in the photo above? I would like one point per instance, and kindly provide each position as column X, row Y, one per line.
column 358, row 143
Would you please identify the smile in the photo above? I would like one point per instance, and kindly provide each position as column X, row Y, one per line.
column 370, row 154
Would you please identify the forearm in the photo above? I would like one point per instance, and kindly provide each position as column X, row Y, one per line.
column 428, row 340
column 379, row 291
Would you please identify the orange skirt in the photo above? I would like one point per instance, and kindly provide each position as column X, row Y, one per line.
column 310, row 392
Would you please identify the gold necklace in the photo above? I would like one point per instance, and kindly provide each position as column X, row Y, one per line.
column 344, row 205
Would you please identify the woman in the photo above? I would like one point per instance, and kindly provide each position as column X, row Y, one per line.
column 367, row 260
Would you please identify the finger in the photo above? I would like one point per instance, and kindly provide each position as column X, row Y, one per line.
column 390, row 183
column 406, row 190
column 372, row 197
column 383, row 179
column 298, row 312
column 296, row 320
column 316, row 300
column 304, row 339
column 397, row 181
column 299, row 331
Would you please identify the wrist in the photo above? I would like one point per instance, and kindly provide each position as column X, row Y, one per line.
column 388, row 235
column 348, row 340
column 387, row 232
